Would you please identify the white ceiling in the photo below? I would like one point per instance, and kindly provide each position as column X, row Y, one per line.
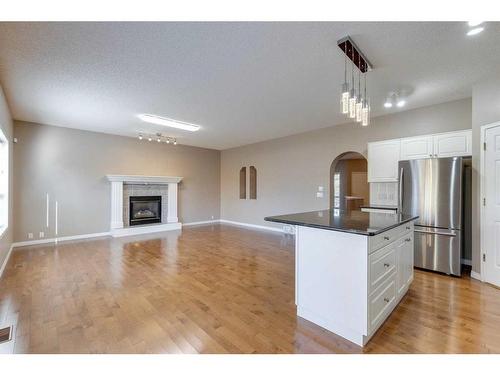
column 242, row 82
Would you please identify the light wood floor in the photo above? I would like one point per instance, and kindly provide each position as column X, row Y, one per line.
column 213, row 289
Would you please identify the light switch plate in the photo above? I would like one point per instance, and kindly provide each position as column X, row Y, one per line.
column 321, row 188
column 319, row 194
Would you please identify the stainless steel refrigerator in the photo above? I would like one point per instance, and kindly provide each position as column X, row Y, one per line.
column 432, row 189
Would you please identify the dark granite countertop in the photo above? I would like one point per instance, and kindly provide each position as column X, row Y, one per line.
column 356, row 222
column 379, row 207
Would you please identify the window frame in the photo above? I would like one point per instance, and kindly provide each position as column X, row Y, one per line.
column 4, row 183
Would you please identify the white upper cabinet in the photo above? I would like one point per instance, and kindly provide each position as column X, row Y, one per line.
column 453, row 144
column 383, row 158
column 417, row 147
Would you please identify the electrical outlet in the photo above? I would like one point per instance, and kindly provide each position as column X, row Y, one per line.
column 319, row 194
column 30, row 236
column 213, row 217
column 41, row 235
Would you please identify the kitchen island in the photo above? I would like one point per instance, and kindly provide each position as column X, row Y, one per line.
column 351, row 268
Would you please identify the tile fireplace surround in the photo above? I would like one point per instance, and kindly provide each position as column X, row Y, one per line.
column 117, row 226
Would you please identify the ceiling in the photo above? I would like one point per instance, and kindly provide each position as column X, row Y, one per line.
column 242, row 82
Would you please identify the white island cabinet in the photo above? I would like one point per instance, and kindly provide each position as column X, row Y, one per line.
column 351, row 269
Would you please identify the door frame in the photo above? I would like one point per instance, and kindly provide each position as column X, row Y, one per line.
column 481, row 192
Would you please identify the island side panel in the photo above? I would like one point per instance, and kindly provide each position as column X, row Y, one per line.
column 332, row 281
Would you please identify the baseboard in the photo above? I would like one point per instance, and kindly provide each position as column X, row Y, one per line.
column 254, row 226
column 215, row 221
column 475, row 275
column 4, row 264
column 59, row 239
column 467, row 262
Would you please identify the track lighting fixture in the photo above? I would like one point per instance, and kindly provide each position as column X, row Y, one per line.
column 159, row 138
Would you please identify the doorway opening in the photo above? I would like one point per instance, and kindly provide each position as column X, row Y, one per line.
column 349, row 189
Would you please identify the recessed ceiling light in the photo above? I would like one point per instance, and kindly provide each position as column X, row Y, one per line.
column 388, row 105
column 401, row 103
column 475, row 31
column 158, row 120
column 475, row 23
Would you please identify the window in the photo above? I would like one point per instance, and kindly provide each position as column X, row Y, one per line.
column 336, row 190
column 4, row 183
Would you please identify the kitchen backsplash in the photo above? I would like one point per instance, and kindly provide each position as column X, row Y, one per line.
column 384, row 193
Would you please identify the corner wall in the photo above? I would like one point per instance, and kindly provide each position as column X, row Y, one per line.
column 6, row 125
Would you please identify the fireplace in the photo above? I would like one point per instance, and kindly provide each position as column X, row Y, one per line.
column 145, row 210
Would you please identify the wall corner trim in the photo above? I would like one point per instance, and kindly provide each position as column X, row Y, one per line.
column 4, row 264
column 475, row 275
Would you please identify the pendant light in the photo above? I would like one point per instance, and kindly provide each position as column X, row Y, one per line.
column 359, row 101
column 352, row 96
column 344, row 99
column 353, row 102
column 365, row 110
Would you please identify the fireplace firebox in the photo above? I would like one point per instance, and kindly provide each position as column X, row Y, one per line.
column 145, row 210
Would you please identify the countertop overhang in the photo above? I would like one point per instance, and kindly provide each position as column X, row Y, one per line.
column 355, row 222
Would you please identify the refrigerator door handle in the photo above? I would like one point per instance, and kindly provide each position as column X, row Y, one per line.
column 440, row 233
column 401, row 171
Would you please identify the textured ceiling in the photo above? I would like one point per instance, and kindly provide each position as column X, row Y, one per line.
column 242, row 82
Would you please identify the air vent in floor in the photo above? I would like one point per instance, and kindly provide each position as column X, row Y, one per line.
column 5, row 334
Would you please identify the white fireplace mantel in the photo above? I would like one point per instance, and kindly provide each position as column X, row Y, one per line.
column 117, row 182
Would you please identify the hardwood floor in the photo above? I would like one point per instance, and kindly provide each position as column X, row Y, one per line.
column 213, row 289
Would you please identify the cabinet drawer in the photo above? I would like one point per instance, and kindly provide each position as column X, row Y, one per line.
column 385, row 238
column 383, row 264
column 381, row 303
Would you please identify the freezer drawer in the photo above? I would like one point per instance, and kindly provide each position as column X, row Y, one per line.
column 438, row 250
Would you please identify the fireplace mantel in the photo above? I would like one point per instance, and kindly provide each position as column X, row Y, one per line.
column 117, row 181
column 138, row 179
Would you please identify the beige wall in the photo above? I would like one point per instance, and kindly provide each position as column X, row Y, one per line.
column 485, row 110
column 71, row 166
column 6, row 125
column 290, row 169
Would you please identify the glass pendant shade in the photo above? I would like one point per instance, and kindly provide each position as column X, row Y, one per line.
column 359, row 110
column 352, row 104
column 344, row 100
column 365, row 113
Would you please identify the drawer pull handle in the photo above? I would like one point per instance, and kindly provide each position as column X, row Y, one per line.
column 408, row 240
column 407, row 227
column 386, row 300
column 386, row 238
column 387, row 265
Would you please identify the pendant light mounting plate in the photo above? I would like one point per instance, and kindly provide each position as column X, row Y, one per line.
column 351, row 50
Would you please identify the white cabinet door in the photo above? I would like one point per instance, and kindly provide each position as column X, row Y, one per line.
column 404, row 254
column 383, row 158
column 453, row 144
column 417, row 147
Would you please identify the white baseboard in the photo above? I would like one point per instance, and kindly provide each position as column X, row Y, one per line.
column 467, row 262
column 4, row 264
column 475, row 275
column 59, row 239
column 131, row 231
column 215, row 221
column 254, row 226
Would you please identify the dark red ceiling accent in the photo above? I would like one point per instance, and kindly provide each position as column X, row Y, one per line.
column 352, row 51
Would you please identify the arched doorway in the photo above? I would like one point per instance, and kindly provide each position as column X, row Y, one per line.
column 349, row 189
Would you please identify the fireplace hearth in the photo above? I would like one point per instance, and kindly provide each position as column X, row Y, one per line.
column 145, row 210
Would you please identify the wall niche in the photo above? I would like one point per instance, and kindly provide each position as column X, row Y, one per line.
column 243, row 183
